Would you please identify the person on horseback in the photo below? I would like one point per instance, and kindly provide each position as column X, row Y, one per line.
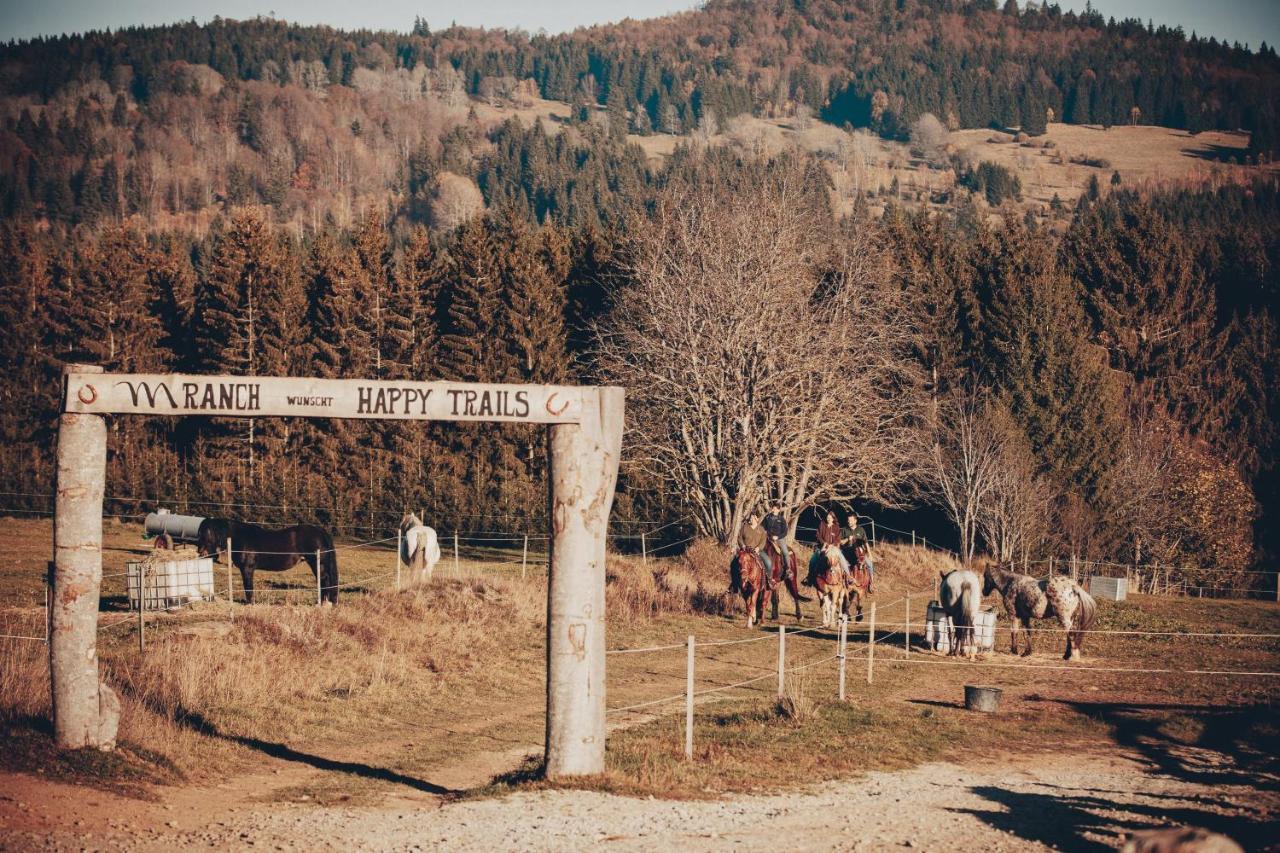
column 775, row 525
column 856, row 535
column 829, row 536
column 752, row 538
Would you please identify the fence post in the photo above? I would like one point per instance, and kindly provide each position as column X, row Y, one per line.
column 399, row 538
column 688, row 705
column 644, row 549
column 1277, row 586
column 913, row 539
column 231, row 588
column 843, row 646
column 142, row 606
column 871, row 644
column 457, row 571
column 873, row 533
column 319, row 588
column 782, row 660
column 85, row 709
column 906, row 628
column 524, row 558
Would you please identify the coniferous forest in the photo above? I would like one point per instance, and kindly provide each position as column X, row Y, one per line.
column 262, row 198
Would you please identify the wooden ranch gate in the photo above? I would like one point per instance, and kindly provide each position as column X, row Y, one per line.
column 585, row 443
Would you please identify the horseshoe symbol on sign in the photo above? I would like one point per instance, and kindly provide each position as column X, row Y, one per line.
column 555, row 413
column 87, row 394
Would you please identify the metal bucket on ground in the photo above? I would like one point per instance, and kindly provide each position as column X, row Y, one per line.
column 985, row 699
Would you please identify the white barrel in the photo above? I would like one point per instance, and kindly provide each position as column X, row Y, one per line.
column 937, row 628
column 181, row 528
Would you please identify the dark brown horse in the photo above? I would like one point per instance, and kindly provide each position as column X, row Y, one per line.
column 254, row 547
column 783, row 574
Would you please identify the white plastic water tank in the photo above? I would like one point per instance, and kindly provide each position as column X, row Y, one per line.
column 937, row 628
column 170, row 583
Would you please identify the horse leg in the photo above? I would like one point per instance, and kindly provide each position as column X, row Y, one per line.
column 246, row 576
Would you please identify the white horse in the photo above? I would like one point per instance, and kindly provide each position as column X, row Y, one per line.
column 419, row 547
column 961, row 594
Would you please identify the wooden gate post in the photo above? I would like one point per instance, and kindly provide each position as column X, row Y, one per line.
column 583, row 471
column 86, row 712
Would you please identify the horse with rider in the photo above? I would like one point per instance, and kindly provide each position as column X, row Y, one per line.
column 763, row 560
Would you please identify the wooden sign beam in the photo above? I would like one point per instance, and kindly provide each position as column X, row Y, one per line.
column 278, row 396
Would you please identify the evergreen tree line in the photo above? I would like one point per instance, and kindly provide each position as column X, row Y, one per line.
column 1147, row 330
column 860, row 61
column 492, row 305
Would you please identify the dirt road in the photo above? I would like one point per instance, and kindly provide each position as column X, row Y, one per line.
column 1077, row 802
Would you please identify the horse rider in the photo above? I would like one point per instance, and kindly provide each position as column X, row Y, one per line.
column 856, row 535
column 752, row 538
column 829, row 535
column 775, row 525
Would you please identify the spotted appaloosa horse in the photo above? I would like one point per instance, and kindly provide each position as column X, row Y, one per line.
column 1026, row 598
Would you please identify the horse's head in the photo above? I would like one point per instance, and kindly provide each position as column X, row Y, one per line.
column 211, row 536
column 410, row 521
column 988, row 582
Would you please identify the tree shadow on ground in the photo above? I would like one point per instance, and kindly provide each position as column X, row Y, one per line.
column 1061, row 820
column 287, row 753
column 1201, row 744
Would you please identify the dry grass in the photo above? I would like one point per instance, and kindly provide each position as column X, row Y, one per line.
column 426, row 676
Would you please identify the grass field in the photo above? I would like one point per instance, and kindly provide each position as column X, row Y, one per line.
column 440, row 686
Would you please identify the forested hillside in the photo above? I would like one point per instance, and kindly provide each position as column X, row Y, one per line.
column 255, row 197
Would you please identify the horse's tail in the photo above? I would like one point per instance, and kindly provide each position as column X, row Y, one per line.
column 969, row 602
column 433, row 547
column 328, row 570
column 1086, row 616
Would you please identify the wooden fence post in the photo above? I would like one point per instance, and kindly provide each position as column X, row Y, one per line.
column 871, row 644
column 231, row 591
column 399, row 545
column 644, row 549
column 582, row 473
column 873, row 533
column 782, row 660
column 913, row 539
column 843, row 647
column 906, row 627
column 688, row 704
column 524, row 558
column 142, row 606
column 86, row 712
column 319, row 574
column 457, row 570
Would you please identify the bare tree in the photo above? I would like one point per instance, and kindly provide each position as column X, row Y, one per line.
column 1015, row 515
column 758, row 360
column 457, row 200
column 963, row 462
column 929, row 136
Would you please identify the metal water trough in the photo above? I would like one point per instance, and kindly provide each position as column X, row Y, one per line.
column 181, row 528
column 937, row 628
column 985, row 699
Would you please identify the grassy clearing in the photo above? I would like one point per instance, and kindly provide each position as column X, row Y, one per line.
column 390, row 689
